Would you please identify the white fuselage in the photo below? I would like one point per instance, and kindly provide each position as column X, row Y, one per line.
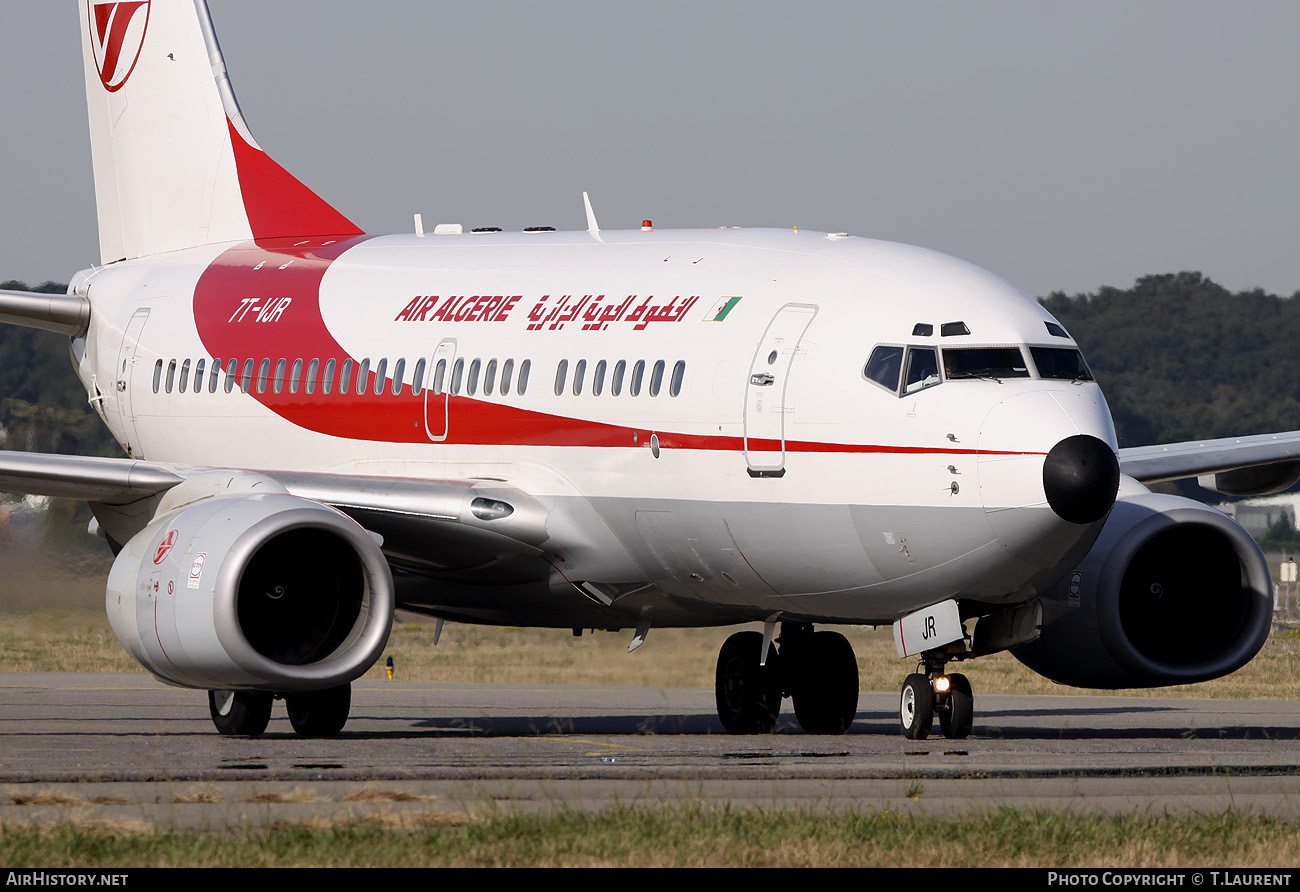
column 755, row 469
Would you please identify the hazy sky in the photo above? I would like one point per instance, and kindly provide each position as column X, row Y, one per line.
column 1061, row 145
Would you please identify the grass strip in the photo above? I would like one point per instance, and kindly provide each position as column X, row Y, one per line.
column 693, row 837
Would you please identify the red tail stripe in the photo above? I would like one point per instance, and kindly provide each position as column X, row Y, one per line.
column 277, row 204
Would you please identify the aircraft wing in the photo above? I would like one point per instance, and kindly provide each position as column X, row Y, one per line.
column 114, row 481
column 1256, row 465
column 426, row 525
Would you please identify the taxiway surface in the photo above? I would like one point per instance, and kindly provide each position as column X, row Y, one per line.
column 127, row 747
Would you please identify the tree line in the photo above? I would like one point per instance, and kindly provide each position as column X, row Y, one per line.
column 1179, row 357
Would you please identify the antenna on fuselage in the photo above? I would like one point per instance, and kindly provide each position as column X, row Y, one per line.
column 592, row 226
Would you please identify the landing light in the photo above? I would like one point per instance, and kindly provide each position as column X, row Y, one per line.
column 942, row 684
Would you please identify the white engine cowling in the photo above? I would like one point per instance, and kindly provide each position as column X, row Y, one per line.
column 260, row 592
column 1172, row 592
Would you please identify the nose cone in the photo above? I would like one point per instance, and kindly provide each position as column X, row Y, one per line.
column 1080, row 478
column 1048, row 475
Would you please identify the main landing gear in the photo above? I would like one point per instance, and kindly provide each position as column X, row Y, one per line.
column 312, row 713
column 817, row 670
column 932, row 692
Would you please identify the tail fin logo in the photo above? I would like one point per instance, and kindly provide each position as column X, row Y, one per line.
column 116, row 37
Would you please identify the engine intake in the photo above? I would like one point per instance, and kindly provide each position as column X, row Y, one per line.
column 263, row 592
column 1172, row 592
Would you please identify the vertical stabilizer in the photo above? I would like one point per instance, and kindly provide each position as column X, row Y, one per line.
column 175, row 164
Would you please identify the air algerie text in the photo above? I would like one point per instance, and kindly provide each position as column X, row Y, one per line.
column 459, row 308
column 595, row 312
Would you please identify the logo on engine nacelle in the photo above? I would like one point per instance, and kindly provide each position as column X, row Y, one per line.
column 196, row 569
column 116, row 38
column 164, row 546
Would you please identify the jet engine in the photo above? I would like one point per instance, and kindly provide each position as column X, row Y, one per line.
column 260, row 592
column 1172, row 592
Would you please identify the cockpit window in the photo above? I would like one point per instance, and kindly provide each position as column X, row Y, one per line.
column 922, row 369
column 884, row 366
column 1060, row 362
column 984, row 362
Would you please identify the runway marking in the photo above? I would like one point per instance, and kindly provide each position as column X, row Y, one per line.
column 604, row 747
column 104, row 687
column 75, row 687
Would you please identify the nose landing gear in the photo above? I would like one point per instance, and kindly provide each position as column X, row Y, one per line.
column 932, row 692
column 916, row 707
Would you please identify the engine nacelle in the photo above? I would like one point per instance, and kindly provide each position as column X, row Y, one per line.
column 1172, row 592
column 259, row 592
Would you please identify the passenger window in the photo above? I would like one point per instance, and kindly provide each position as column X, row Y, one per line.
column 295, row 375
column 524, row 368
column 381, row 376
column 345, row 378
column 579, row 372
column 185, row 376
column 246, row 380
column 638, row 372
column 679, row 375
column 399, row 373
column 598, row 378
column 561, row 372
column 212, row 376
column 327, row 380
column 922, row 369
column 363, row 376
column 473, row 377
column 507, row 370
column 263, row 375
column 157, row 376
column 313, row 368
column 439, row 377
column 490, row 377
column 457, row 373
column 232, row 375
column 883, row 367
column 171, row 375
column 417, row 379
column 616, row 385
column 657, row 378
column 199, row 366
column 278, row 384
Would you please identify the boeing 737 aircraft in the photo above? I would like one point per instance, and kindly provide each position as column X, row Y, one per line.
column 593, row 430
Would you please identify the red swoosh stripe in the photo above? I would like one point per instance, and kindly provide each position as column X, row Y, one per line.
column 268, row 270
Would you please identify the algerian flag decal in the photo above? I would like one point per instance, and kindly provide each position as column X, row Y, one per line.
column 721, row 309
